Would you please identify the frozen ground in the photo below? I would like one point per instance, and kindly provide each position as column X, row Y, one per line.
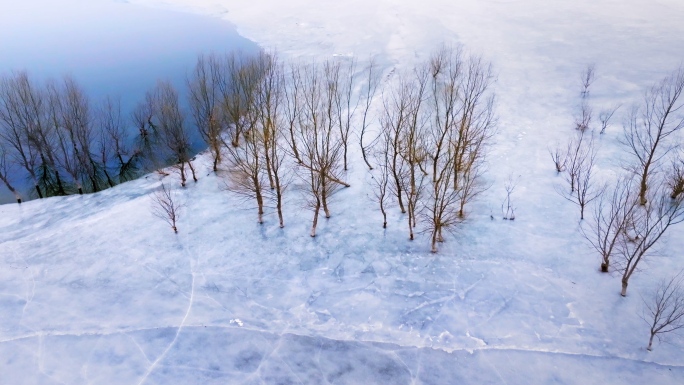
column 95, row 289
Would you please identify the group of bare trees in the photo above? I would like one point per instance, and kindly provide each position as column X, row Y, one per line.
column 164, row 132
column 436, row 124
column 268, row 124
column 576, row 160
column 276, row 123
column 272, row 123
column 54, row 136
column 641, row 206
column 255, row 165
column 632, row 216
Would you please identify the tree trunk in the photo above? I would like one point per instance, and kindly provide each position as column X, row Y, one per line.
column 325, row 207
column 236, row 140
column 624, row 288
column 363, row 153
column 93, row 182
column 642, row 189
column 604, row 266
column 434, row 241
column 59, row 184
column 182, row 172
column 40, row 194
column 324, row 197
column 11, row 188
column 269, row 169
column 410, row 220
column 315, row 218
column 295, row 152
column 345, row 156
column 109, row 179
column 650, row 342
column 279, row 201
column 192, row 169
column 260, row 204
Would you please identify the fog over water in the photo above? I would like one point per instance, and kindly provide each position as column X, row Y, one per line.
column 110, row 47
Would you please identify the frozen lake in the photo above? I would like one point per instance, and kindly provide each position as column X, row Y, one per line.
column 110, row 47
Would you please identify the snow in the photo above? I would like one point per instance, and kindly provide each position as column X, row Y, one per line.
column 95, row 289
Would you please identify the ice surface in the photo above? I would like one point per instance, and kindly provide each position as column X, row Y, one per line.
column 95, row 289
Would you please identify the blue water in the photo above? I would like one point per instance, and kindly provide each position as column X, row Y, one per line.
column 110, row 47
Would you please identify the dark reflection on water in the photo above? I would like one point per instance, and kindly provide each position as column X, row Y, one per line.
column 110, row 47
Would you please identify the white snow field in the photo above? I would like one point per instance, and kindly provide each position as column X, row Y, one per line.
column 96, row 290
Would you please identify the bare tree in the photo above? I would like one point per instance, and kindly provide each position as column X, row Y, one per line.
column 447, row 144
column 148, row 143
column 588, row 76
column 346, row 105
column 675, row 177
column 246, row 169
column 606, row 115
column 381, row 178
column 476, row 127
column 397, row 103
column 442, row 206
column 167, row 206
column 62, row 128
column 270, row 102
column 204, row 95
column 317, row 137
column 369, row 91
column 170, row 121
column 507, row 209
column 664, row 308
column 404, row 138
column 293, row 101
column 559, row 156
column 649, row 127
column 583, row 116
column 6, row 172
column 612, row 216
column 587, row 188
column 242, row 75
column 73, row 122
column 580, row 156
column 260, row 160
column 579, row 149
column 115, row 145
column 23, row 115
column 414, row 150
column 648, row 226
column 105, row 147
column 44, row 137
